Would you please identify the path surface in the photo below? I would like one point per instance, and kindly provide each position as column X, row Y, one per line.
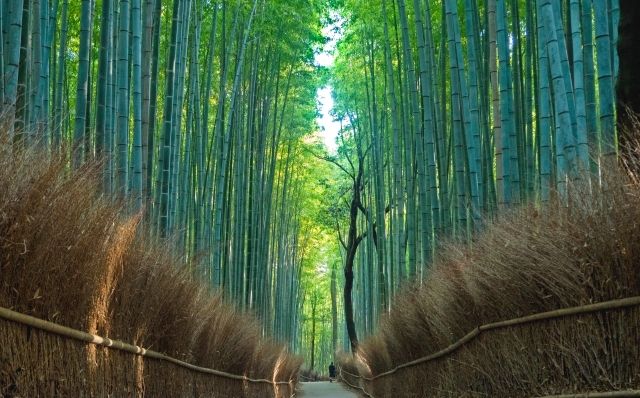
column 324, row 389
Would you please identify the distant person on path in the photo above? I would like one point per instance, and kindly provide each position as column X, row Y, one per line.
column 332, row 372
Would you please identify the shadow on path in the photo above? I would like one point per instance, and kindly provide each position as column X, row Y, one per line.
column 324, row 389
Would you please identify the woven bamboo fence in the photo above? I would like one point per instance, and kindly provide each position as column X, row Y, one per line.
column 43, row 359
column 586, row 351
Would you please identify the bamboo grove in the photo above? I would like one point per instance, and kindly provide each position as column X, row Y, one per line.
column 198, row 110
column 454, row 110
column 202, row 113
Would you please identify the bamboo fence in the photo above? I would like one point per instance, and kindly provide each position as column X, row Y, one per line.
column 41, row 358
column 627, row 314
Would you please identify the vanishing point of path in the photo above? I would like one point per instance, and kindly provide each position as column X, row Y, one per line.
column 324, row 389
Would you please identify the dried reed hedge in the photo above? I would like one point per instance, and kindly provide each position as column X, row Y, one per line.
column 71, row 257
column 535, row 259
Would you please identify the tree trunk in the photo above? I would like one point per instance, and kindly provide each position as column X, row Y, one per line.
column 353, row 240
column 314, row 304
column 334, row 312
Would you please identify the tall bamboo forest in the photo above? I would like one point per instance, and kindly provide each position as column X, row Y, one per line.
column 204, row 118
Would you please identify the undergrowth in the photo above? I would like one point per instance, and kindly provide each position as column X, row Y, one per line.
column 572, row 251
column 70, row 256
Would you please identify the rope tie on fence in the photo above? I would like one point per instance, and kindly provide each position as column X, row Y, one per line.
column 74, row 334
column 534, row 318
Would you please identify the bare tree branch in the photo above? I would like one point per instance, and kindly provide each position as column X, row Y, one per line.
column 332, row 161
column 346, row 156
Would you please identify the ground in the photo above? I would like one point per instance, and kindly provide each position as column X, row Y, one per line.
column 324, row 389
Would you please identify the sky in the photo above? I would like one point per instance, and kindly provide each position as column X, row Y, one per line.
column 328, row 127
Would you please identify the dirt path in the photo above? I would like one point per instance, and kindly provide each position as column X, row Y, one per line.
column 324, row 389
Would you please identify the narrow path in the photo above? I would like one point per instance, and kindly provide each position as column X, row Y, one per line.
column 324, row 389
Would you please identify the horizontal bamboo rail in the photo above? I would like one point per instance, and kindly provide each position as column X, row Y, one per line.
column 360, row 388
column 349, row 373
column 543, row 316
column 122, row 346
column 608, row 394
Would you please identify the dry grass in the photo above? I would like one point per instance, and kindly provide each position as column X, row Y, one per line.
column 69, row 256
column 534, row 259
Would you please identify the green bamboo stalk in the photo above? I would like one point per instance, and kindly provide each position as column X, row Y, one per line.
column 397, row 195
column 578, row 83
column 517, row 137
column 531, row 94
column 103, row 71
column 21, row 102
column 137, row 154
column 110, row 113
column 614, row 21
column 379, row 198
column 410, row 142
column 204, row 140
column 544, row 113
column 35, row 99
column 605, row 79
column 122, row 128
column 473, row 37
column 147, row 62
column 506, row 103
column 47, row 85
column 168, row 116
column 61, row 73
column 426, row 154
column 501, row 183
column 591, row 111
column 177, row 145
column 217, row 248
column 570, row 139
column 458, row 111
column 82, row 91
column 408, row 182
column 12, row 50
column 153, row 105
column 564, row 140
column 3, row 34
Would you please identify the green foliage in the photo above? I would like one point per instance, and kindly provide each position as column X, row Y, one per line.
column 447, row 108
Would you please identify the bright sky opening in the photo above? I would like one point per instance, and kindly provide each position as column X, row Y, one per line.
column 329, row 127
